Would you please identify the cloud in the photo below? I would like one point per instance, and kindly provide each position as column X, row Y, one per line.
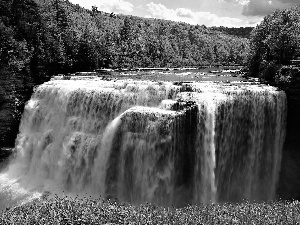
column 258, row 8
column 187, row 15
column 254, row 23
column 117, row 6
column 265, row 7
column 289, row 1
column 241, row 2
column 183, row 12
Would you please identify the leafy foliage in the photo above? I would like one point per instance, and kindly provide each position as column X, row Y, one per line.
column 93, row 39
column 275, row 42
column 48, row 37
column 243, row 32
column 288, row 75
column 21, row 56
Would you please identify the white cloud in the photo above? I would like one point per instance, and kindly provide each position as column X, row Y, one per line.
column 290, row 1
column 262, row 7
column 116, row 6
column 254, row 23
column 187, row 15
column 183, row 12
column 241, row 2
column 265, row 7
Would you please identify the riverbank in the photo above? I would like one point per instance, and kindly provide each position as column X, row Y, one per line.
column 66, row 210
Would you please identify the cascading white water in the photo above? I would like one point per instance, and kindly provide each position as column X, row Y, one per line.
column 204, row 180
column 143, row 141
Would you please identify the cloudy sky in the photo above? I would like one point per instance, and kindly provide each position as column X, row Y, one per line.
column 230, row 13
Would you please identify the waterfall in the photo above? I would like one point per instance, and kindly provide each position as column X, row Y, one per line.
column 146, row 141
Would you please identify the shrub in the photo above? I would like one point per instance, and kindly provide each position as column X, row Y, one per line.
column 268, row 70
column 288, row 75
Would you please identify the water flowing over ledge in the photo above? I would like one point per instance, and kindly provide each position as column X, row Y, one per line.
column 144, row 141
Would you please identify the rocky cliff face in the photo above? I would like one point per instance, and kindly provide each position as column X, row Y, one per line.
column 8, row 114
column 289, row 184
column 15, row 90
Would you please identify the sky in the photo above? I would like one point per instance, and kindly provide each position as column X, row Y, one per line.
column 229, row 13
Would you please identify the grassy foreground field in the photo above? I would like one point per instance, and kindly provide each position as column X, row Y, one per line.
column 66, row 210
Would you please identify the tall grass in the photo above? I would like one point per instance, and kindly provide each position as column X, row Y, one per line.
column 67, row 210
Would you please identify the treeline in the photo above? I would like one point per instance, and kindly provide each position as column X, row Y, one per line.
column 274, row 44
column 55, row 36
column 243, row 32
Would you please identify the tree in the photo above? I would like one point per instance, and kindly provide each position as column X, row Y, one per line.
column 275, row 41
column 94, row 10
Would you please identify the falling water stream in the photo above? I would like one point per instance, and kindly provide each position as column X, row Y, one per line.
column 143, row 141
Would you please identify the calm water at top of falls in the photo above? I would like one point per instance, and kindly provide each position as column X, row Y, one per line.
column 143, row 141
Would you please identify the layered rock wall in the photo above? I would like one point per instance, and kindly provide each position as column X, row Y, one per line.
column 289, row 184
column 15, row 90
